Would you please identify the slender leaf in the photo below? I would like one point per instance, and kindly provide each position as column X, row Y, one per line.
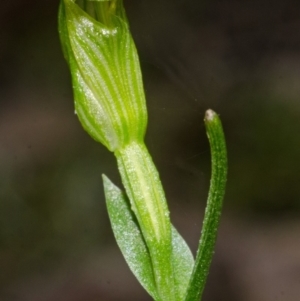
column 214, row 205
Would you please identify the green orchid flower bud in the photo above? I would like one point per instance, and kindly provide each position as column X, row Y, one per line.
column 106, row 76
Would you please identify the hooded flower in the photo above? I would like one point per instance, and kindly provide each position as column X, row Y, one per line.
column 106, row 76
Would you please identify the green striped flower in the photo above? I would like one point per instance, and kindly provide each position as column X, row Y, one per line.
column 106, row 76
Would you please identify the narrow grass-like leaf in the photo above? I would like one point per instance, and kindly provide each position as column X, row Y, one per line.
column 129, row 237
column 214, row 205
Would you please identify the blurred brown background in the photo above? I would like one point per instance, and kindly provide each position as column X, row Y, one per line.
column 240, row 58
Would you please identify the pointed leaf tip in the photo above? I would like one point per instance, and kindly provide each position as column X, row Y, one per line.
column 128, row 236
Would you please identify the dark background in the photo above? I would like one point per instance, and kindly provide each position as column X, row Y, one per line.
column 240, row 58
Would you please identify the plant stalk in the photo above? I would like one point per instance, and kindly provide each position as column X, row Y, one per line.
column 147, row 198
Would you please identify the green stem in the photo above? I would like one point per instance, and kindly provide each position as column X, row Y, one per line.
column 214, row 205
column 146, row 195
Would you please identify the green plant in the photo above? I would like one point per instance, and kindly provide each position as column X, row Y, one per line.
column 110, row 103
